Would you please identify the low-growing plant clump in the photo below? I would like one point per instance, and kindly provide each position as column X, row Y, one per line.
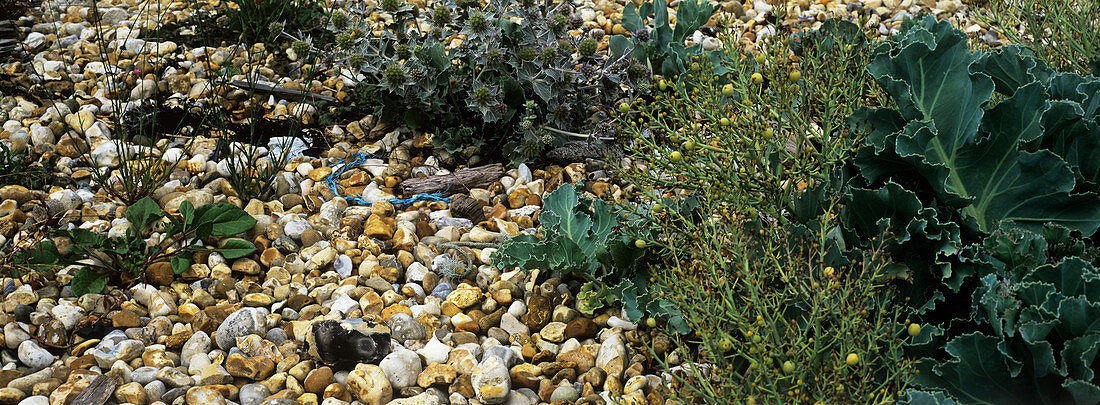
column 508, row 78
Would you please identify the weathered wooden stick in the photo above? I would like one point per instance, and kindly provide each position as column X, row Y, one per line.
column 457, row 182
column 98, row 392
column 280, row 91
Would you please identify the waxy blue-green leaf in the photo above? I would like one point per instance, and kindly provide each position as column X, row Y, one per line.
column 966, row 153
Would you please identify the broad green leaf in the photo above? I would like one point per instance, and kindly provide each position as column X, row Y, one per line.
column 180, row 264
column 522, row 251
column 1083, row 392
column 1011, row 67
column 690, row 15
column 1071, row 277
column 1085, row 91
column 87, row 281
column 967, row 154
column 1032, row 293
column 560, row 215
column 1042, row 358
column 929, row 78
column 45, row 252
column 1079, row 355
column 1073, row 138
column 1078, row 317
column 619, row 44
column 143, row 213
column 187, row 211
column 225, row 219
column 976, row 371
column 236, row 248
column 632, row 21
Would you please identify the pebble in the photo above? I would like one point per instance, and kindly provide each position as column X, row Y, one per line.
column 34, row 356
column 491, row 381
column 401, row 367
column 243, row 322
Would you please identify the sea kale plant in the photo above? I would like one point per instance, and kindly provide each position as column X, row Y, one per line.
column 101, row 259
column 583, row 237
column 510, row 77
column 981, row 179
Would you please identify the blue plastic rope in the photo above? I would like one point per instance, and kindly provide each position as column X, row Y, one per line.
column 357, row 159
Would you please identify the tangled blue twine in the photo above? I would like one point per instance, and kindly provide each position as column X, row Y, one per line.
column 359, row 158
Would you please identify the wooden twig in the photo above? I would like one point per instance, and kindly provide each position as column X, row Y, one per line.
column 280, row 91
column 457, row 182
column 98, row 392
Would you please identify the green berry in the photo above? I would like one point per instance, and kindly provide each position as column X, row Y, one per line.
column 624, row 108
column 914, row 329
column 788, row 367
column 639, row 243
column 725, row 345
column 727, row 90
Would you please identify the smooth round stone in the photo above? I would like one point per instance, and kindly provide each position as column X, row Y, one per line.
column 565, row 392
column 155, row 389
column 35, row 400
column 34, row 356
column 403, row 327
column 442, row 289
column 277, row 335
column 253, row 394
column 295, row 228
column 343, row 266
column 144, row 375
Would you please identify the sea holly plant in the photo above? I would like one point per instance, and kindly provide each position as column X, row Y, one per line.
column 517, row 82
column 582, row 236
column 102, row 259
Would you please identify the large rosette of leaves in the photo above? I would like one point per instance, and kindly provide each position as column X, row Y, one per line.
column 1018, row 160
column 582, row 236
column 1034, row 326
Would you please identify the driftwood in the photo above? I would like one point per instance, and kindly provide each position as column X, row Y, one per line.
column 464, row 206
column 280, row 91
column 98, row 392
column 457, row 182
column 578, row 151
